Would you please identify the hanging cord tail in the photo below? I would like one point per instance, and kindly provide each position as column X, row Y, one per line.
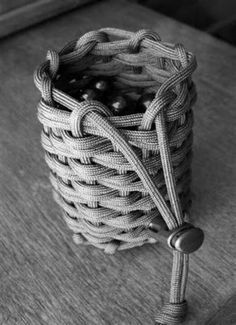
column 175, row 311
column 182, row 234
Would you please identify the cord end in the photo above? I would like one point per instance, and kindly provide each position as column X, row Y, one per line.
column 172, row 313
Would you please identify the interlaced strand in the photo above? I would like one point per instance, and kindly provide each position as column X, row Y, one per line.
column 110, row 179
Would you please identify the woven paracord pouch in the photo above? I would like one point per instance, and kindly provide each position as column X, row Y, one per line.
column 120, row 168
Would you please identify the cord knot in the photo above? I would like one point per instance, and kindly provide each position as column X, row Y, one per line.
column 172, row 313
column 92, row 38
column 138, row 37
column 81, row 110
column 157, row 105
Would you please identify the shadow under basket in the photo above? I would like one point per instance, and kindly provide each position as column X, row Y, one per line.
column 117, row 134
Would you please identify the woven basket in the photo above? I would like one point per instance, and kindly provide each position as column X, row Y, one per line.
column 114, row 175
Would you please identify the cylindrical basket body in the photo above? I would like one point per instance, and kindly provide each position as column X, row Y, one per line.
column 106, row 167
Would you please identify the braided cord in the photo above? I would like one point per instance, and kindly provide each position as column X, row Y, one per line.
column 81, row 165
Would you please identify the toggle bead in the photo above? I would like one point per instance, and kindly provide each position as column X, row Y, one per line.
column 186, row 239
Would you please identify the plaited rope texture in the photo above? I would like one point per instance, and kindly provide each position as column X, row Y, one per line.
column 112, row 175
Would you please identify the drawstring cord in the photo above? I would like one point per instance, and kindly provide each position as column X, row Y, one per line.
column 175, row 311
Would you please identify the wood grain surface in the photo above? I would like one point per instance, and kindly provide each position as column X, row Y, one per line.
column 6, row 5
column 16, row 15
column 45, row 277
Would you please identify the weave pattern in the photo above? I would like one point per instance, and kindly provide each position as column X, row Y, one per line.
column 104, row 200
column 113, row 175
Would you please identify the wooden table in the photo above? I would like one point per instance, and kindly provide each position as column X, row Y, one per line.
column 45, row 277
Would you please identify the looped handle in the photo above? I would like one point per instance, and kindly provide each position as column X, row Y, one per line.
column 138, row 37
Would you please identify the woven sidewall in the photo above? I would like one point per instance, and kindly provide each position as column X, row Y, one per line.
column 104, row 201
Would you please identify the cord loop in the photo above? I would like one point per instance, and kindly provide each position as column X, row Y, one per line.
column 138, row 37
column 81, row 111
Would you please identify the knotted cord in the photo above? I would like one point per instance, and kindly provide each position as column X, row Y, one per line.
column 79, row 139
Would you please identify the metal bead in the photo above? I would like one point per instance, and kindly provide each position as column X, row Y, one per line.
column 84, row 80
column 101, row 85
column 85, row 77
column 118, row 104
column 157, row 225
column 89, row 94
column 186, row 239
